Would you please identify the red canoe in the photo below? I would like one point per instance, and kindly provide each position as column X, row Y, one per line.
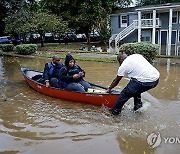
column 98, row 96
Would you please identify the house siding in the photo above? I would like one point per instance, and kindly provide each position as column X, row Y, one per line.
column 115, row 24
column 131, row 38
column 164, row 17
column 132, row 17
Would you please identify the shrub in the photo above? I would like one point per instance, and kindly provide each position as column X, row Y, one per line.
column 149, row 51
column 6, row 47
column 26, row 49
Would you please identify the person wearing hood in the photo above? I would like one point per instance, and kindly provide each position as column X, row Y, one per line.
column 71, row 76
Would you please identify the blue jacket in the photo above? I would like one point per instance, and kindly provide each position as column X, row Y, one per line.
column 51, row 71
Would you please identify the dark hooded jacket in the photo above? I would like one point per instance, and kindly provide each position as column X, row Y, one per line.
column 66, row 72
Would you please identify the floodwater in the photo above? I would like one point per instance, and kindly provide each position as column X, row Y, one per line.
column 33, row 123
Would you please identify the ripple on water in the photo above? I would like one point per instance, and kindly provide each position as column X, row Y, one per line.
column 29, row 115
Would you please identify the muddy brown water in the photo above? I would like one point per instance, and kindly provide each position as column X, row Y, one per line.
column 33, row 123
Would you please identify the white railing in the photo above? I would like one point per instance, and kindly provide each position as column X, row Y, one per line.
column 112, row 38
column 148, row 23
column 126, row 32
column 145, row 23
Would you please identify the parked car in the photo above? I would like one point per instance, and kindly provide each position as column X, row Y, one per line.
column 81, row 37
column 5, row 40
column 33, row 38
column 72, row 37
column 48, row 37
column 16, row 41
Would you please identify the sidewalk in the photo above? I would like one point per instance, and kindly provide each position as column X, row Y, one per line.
column 89, row 56
column 95, row 55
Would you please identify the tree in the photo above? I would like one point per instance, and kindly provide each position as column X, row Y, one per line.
column 35, row 22
column 9, row 7
column 14, row 22
column 104, row 31
column 42, row 23
column 2, row 16
column 83, row 14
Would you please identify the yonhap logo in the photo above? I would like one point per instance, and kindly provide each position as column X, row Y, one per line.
column 154, row 139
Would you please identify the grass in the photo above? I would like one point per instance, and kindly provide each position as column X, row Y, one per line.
column 164, row 56
column 51, row 49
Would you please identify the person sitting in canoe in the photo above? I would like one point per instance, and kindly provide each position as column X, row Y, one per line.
column 51, row 72
column 71, row 76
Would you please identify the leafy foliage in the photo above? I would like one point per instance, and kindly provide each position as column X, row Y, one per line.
column 85, row 15
column 149, row 51
column 35, row 22
column 32, row 16
column 26, row 49
column 6, row 47
column 12, row 7
column 104, row 31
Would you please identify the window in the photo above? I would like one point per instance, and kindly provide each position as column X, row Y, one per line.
column 124, row 21
column 174, row 17
column 146, row 36
column 178, row 51
column 179, row 36
column 174, row 37
column 147, row 16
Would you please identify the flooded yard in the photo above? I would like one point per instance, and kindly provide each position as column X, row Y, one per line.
column 34, row 123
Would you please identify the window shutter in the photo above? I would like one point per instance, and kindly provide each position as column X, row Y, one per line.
column 119, row 21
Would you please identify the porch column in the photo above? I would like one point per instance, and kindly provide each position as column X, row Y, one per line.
column 139, row 26
column 170, row 32
column 154, row 27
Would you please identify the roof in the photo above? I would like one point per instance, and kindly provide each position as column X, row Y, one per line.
column 160, row 6
column 147, row 8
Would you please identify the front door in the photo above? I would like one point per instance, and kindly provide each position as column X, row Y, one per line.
column 163, row 42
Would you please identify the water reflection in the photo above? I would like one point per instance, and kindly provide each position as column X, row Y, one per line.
column 130, row 144
column 168, row 87
column 33, row 123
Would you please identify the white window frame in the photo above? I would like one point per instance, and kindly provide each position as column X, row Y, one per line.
column 166, row 40
column 143, row 16
column 175, row 16
column 158, row 40
column 123, row 24
column 178, row 35
column 178, row 49
column 150, row 37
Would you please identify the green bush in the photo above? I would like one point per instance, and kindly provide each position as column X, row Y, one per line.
column 6, row 47
column 26, row 49
column 149, row 51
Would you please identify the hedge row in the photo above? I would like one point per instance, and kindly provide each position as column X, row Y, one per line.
column 6, row 47
column 149, row 51
column 26, row 49
column 23, row 49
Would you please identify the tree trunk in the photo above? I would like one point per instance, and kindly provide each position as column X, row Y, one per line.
column 87, row 32
column 88, row 38
column 42, row 42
